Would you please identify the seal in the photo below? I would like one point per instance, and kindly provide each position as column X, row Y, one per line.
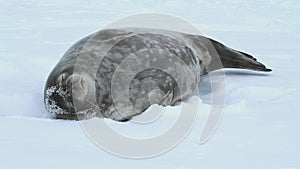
column 119, row 73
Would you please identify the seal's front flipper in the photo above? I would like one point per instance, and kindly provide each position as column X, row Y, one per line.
column 231, row 58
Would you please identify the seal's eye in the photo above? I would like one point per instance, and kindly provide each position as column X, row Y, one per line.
column 61, row 79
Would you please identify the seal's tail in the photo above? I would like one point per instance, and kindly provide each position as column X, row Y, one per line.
column 231, row 58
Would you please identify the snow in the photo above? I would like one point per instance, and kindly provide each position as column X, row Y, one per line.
column 260, row 124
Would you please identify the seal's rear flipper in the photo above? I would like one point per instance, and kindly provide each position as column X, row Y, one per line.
column 231, row 58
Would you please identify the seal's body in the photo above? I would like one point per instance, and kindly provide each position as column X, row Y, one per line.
column 118, row 73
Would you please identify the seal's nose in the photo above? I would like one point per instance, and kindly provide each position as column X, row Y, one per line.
column 63, row 99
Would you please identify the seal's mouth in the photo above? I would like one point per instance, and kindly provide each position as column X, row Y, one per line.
column 60, row 104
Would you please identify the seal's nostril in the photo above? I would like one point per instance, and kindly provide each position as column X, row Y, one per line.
column 59, row 98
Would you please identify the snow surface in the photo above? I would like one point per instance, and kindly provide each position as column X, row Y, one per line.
column 260, row 125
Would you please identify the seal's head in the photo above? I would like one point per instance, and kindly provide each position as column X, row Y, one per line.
column 69, row 95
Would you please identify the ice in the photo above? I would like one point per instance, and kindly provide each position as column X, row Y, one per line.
column 260, row 124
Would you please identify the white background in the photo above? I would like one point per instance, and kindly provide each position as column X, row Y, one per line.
column 260, row 125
